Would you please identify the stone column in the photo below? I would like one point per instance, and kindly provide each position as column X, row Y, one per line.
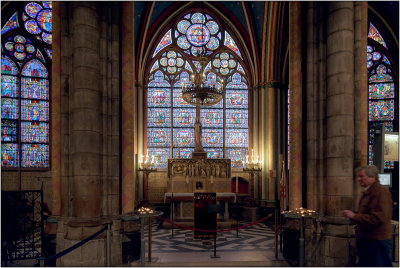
column 110, row 91
column 85, row 98
column 360, row 91
column 340, row 107
column 312, row 112
column 56, row 111
column 128, row 109
column 90, row 126
column 271, row 140
column 331, row 104
column 295, row 82
column 316, row 106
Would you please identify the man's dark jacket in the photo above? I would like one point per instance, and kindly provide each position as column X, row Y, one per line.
column 374, row 215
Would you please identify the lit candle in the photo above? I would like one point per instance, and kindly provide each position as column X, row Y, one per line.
column 147, row 156
column 252, row 156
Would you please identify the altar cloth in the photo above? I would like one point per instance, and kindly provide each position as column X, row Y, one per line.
column 189, row 196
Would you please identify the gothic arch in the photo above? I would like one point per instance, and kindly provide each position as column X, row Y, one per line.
column 171, row 57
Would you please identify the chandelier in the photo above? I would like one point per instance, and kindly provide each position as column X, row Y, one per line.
column 200, row 90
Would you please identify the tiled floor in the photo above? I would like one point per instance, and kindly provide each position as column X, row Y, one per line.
column 254, row 246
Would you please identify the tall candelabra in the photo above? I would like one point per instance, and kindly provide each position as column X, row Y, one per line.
column 147, row 165
column 253, row 167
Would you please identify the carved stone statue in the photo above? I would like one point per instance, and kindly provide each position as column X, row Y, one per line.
column 197, row 137
column 198, row 144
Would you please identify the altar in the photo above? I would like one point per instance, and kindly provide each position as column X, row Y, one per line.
column 184, row 207
column 187, row 176
column 199, row 175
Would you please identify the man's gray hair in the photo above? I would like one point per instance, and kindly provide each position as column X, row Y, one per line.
column 371, row 171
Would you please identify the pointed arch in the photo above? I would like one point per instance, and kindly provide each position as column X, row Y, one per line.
column 383, row 88
column 8, row 66
column 26, row 47
column 34, row 68
column 174, row 58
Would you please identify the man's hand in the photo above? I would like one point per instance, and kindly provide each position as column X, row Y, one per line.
column 348, row 214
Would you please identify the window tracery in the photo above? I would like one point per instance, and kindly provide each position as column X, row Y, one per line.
column 170, row 120
column 25, row 87
column 382, row 88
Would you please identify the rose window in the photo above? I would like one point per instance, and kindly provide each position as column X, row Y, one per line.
column 19, row 47
column 196, row 32
column 38, row 20
column 172, row 61
column 225, row 63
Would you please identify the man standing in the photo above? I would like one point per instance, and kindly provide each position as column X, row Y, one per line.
column 373, row 220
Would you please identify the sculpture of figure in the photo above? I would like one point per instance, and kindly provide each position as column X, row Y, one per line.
column 198, row 145
column 208, row 173
column 197, row 137
column 190, row 170
column 223, row 171
column 196, row 169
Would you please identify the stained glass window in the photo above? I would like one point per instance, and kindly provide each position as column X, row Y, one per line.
column 229, row 42
column 375, row 35
column 25, row 87
column 167, row 40
column 12, row 23
column 170, row 120
column 383, row 90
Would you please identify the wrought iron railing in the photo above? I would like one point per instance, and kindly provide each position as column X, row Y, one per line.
column 22, row 225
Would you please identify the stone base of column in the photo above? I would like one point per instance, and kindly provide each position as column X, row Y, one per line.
column 328, row 241
column 93, row 253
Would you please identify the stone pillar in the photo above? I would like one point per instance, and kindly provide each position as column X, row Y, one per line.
column 55, row 206
column 109, row 123
column 85, row 101
column 295, row 83
column 312, row 112
column 340, row 107
column 360, row 91
column 90, row 127
column 128, row 109
column 271, row 141
column 333, row 75
column 316, row 106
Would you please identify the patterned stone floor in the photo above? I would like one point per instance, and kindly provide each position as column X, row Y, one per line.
column 260, row 237
column 253, row 246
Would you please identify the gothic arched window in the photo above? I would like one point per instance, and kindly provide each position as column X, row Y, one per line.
column 170, row 120
column 25, row 86
column 382, row 88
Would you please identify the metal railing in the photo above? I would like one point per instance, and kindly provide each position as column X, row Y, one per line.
column 43, row 260
column 22, row 225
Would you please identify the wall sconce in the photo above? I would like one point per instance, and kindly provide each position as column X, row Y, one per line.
column 146, row 164
column 255, row 165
